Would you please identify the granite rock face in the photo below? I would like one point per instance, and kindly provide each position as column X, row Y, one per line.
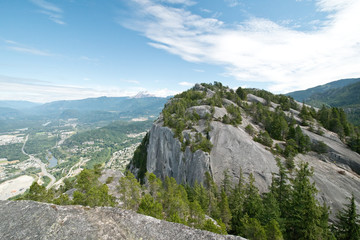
column 232, row 149
column 338, row 152
column 335, row 184
column 165, row 158
column 33, row 220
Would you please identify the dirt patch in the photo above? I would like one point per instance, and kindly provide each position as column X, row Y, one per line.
column 15, row 187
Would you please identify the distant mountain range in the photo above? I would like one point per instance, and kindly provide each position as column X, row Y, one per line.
column 15, row 114
column 343, row 93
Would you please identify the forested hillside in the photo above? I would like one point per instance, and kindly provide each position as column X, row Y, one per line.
column 342, row 94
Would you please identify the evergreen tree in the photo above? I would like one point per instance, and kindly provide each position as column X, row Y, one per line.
column 130, row 191
column 241, row 93
column 36, row 193
column 201, row 195
column 226, row 183
column 149, row 206
column 154, row 185
column 324, row 224
column 197, row 216
column 272, row 230
column 271, row 209
column 280, row 188
column 253, row 204
column 175, row 201
column 236, row 203
column 302, row 221
column 225, row 210
column 213, row 208
column 252, row 229
column 348, row 224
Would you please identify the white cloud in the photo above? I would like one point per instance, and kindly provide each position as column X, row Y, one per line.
column 14, row 88
column 133, row 81
column 185, row 2
column 17, row 47
column 32, row 51
column 260, row 50
column 11, row 42
column 85, row 58
column 233, row 3
column 51, row 10
column 187, row 84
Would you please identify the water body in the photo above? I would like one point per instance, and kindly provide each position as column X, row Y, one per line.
column 52, row 162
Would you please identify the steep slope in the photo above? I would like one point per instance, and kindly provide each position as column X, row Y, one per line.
column 197, row 133
column 208, row 144
column 33, row 220
column 304, row 95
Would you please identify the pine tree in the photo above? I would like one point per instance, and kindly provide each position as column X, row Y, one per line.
column 324, row 224
column 236, row 203
column 149, row 206
column 225, row 210
column 252, row 229
column 348, row 224
column 303, row 219
column 272, row 230
column 130, row 191
column 197, row 216
column 280, row 188
column 271, row 209
column 253, row 204
column 213, row 208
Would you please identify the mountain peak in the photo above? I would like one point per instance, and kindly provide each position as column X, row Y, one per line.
column 143, row 94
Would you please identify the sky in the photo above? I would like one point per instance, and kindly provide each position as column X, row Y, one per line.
column 74, row 49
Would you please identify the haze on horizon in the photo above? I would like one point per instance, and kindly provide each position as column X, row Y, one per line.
column 60, row 50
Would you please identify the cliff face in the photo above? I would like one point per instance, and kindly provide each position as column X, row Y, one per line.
column 232, row 149
column 33, row 220
column 165, row 158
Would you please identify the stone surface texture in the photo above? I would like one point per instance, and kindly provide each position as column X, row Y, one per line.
column 32, row 220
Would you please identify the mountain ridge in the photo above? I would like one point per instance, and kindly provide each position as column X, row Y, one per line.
column 303, row 95
column 177, row 145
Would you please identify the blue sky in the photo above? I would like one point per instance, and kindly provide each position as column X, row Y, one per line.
column 73, row 49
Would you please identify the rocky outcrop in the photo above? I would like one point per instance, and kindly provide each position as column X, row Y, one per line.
column 165, row 158
column 232, row 149
column 33, row 220
column 336, row 173
column 338, row 152
column 334, row 183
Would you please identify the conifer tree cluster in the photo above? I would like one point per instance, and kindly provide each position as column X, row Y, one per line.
column 88, row 191
column 289, row 210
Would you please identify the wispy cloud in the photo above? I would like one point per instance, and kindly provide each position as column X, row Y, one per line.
column 85, row 58
column 14, row 88
column 32, row 51
column 187, row 84
column 133, row 81
column 185, row 2
column 233, row 3
column 17, row 47
column 259, row 50
column 53, row 12
column 11, row 42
